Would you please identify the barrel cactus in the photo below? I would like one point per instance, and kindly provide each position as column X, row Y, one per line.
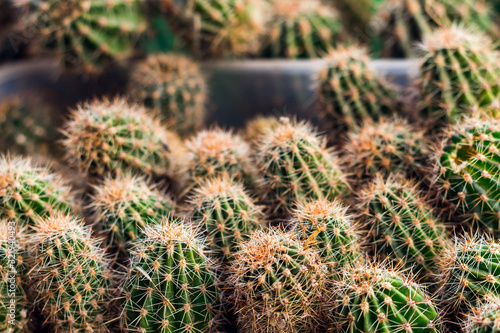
column 107, row 136
column 277, row 283
column 69, row 275
column 124, row 205
column 29, row 191
column 88, row 35
column 350, row 91
column 173, row 86
column 171, row 285
column 229, row 215
column 459, row 74
column 387, row 146
column 467, row 174
column 484, row 319
column 296, row 165
column 302, row 29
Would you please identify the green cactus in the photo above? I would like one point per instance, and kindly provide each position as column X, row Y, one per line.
column 218, row 153
column 114, row 136
column 459, row 74
column 173, row 86
column 171, row 285
column 219, row 28
column 387, row 146
column 88, row 35
column 28, row 191
column 350, row 91
column 124, row 205
column 379, row 299
column 327, row 226
column 13, row 301
column 302, row 29
column 356, row 15
column 401, row 24
column 467, row 173
column 296, row 165
column 228, row 214
column 277, row 283
column 484, row 319
column 470, row 270
column 69, row 275
column 402, row 224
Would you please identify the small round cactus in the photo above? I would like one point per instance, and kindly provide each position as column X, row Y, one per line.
column 69, row 275
column 387, row 146
column 171, row 286
column 114, row 136
column 28, row 191
column 459, row 74
column 228, row 214
column 173, row 86
column 484, row 319
column 277, row 283
column 327, row 227
column 379, row 299
column 296, row 165
column 467, row 173
column 86, row 34
column 402, row 224
column 302, row 29
column 218, row 153
column 124, row 205
column 350, row 91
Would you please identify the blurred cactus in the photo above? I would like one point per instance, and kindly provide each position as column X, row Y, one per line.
column 350, row 91
column 256, row 128
column 173, row 86
column 113, row 136
column 171, row 285
column 277, row 283
column 484, row 319
column 356, row 14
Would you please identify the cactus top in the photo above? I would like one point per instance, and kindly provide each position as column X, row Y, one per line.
column 456, row 37
column 485, row 318
column 344, row 56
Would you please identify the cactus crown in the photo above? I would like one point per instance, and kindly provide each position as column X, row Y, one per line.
column 485, row 318
column 456, row 37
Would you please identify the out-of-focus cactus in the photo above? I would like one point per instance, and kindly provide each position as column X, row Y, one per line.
column 350, row 91
column 172, row 86
column 114, row 136
column 484, row 319
column 256, row 128
column 171, row 286
column 356, row 15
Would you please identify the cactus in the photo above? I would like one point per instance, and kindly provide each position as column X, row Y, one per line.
column 173, row 86
column 228, row 214
column 484, row 319
column 328, row 227
column 26, row 127
column 124, row 205
column 302, row 29
column 114, row 136
column 256, row 128
column 13, row 302
column 375, row 298
column 70, row 275
column 218, row 153
column 387, row 146
column 88, row 35
column 402, row 224
column 403, row 23
column 459, row 74
column 277, row 283
column 28, row 191
column 219, row 28
column 171, row 285
column 296, row 165
column 349, row 90
column 467, row 174
column 470, row 270
column 356, row 15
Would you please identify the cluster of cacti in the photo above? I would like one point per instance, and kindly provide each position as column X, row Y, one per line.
column 172, row 86
column 349, row 90
column 485, row 318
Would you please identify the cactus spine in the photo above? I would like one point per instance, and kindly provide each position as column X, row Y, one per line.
column 113, row 136
column 402, row 224
column 28, row 191
column 484, row 319
column 173, row 86
column 171, row 286
column 351, row 92
column 70, row 275
column 276, row 283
